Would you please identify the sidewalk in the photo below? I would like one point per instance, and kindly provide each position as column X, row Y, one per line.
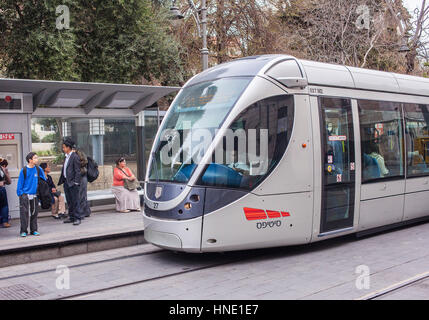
column 60, row 239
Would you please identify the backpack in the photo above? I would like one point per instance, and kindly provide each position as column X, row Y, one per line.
column 43, row 190
column 92, row 170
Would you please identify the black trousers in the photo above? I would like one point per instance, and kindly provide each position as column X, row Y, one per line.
column 83, row 196
column 28, row 209
column 73, row 201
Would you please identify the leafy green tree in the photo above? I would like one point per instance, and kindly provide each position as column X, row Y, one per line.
column 50, row 138
column 31, row 47
column 108, row 41
column 34, row 137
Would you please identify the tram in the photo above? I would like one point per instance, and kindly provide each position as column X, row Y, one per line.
column 271, row 150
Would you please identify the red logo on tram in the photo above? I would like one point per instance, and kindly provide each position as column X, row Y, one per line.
column 259, row 214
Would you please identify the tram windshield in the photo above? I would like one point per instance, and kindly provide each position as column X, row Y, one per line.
column 191, row 125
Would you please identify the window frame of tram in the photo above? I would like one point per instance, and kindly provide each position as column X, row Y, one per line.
column 283, row 106
column 382, row 149
column 417, row 152
column 338, row 177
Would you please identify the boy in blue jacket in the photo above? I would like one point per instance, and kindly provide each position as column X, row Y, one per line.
column 27, row 193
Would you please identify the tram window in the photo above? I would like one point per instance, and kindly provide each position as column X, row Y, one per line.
column 198, row 111
column 257, row 141
column 381, row 140
column 338, row 125
column 417, row 139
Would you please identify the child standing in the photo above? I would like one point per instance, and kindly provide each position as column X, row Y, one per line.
column 27, row 193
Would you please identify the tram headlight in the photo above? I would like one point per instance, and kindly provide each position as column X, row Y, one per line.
column 188, row 206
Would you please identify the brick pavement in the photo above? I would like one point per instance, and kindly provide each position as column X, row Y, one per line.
column 325, row 270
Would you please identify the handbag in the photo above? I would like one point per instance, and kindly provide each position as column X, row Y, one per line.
column 130, row 185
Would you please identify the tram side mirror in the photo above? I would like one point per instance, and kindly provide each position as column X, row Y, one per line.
column 293, row 82
column 288, row 73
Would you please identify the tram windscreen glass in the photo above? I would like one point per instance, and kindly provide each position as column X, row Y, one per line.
column 417, row 139
column 252, row 146
column 191, row 125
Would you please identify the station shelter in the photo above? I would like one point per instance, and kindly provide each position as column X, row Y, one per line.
column 105, row 120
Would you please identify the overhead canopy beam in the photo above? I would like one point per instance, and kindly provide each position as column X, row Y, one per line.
column 86, row 99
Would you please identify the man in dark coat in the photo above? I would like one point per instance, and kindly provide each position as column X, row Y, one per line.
column 71, row 178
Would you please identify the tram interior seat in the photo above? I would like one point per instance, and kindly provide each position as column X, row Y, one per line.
column 371, row 170
column 215, row 175
column 221, row 175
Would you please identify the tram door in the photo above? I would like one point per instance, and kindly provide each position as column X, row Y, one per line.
column 338, row 161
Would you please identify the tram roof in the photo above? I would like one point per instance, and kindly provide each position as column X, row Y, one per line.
column 86, row 98
column 323, row 74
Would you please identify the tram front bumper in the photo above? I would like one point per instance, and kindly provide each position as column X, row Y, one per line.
column 172, row 234
column 163, row 239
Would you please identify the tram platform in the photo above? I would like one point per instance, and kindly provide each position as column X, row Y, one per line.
column 104, row 229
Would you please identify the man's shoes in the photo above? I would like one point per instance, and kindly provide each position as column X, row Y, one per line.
column 35, row 233
column 6, row 225
column 56, row 217
column 76, row 222
column 68, row 221
column 63, row 215
column 23, row 234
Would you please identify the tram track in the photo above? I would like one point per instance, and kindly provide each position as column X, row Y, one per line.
column 83, row 264
column 132, row 283
column 235, row 257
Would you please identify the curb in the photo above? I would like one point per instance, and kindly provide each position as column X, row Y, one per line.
column 66, row 248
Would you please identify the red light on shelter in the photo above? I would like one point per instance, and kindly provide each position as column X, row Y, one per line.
column 8, row 99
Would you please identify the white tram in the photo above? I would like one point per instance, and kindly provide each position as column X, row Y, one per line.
column 347, row 151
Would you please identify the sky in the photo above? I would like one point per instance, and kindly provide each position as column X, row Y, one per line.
column 412, row 4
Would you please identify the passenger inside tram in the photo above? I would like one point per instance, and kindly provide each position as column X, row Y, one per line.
column 373, row 150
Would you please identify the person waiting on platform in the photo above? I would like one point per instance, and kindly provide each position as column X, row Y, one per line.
column 83, row 190
column 71, row 178
column 58, row 203
column 27, row 192
column 125, row 188
column 4, row 180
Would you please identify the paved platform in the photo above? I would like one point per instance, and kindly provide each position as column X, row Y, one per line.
column 66, row 239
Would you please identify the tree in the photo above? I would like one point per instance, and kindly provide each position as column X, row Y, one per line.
column 108, row 41
column 361, row 33
column 416, row 29
column 126, row 41
column 34, row 137
column 31, row 47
